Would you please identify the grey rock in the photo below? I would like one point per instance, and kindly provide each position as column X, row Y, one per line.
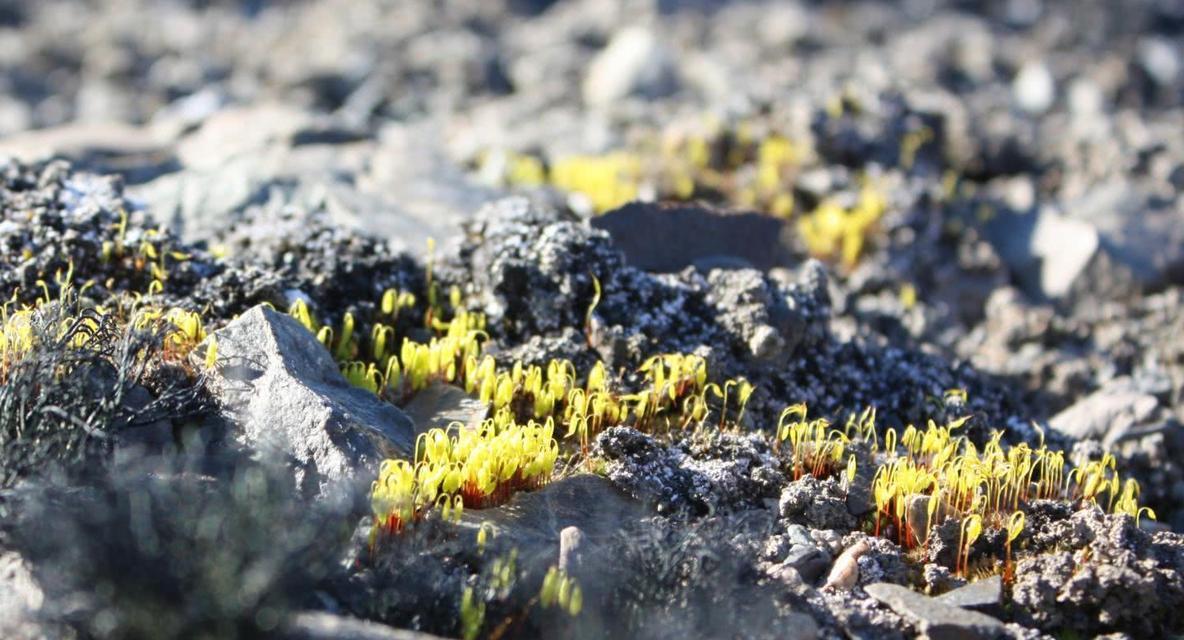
column 938, row 578
column 775, row 548
column 669, row 238
column 799, row 534
column 1142, row 239
column 982, row 593
column 239, row 131
column 424, row 193
column 20, row 599
column 635, row 63
column 1107, row 414
column 1064, row 247
column 287, row 396
column 818, row 504
column 726, row 473
column 936, row 619
column 1050, row 252
column 1034, row 88
column 1160, row 58
column 322, row 625
column 786, row 575
column 759, row 315
column 809, row 561
column 399, row 185
column 441, row 405
column 136, row 153
column 1128, row 583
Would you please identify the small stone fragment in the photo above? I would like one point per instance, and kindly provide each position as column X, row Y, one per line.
column 809, row 561
column 983, row 593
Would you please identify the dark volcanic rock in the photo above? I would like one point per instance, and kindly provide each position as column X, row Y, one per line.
column 673, row 237
column 726, row 473
column 818, row 504
column 1102, row 575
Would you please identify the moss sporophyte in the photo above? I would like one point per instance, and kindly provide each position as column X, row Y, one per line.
column 534, row 407
column 985, row 488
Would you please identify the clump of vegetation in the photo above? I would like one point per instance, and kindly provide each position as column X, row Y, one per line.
column 833, row 232
column 676, row 392
column 67, row 369
column 982, row 488
column 815, row 447
column 607, row 181
column 461, row 467
column 738, row 165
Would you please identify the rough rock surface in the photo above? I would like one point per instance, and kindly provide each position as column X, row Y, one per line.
column 695, row 236
column 542, row 515
column 1101, row 574
column 934, row 618
column 818, row 504
column 289, row 398
column 725, row 473
column 980, row 593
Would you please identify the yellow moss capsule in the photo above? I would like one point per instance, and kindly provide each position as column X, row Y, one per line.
column 211, row 354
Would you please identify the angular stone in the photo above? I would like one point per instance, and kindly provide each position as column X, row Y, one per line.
column 236, row 131
column 1065, row 248
column 635, row 63
column 669, row 238
column 1117, row 241
column 798, row 534
column 440, row 405
column 983, row 593
column 1108, row 414
column 20, row 599
column 809, row 561
column 935, row 619
column 322, row 625
column 286, row 395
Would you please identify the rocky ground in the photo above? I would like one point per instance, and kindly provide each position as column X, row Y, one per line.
column 935, row 209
